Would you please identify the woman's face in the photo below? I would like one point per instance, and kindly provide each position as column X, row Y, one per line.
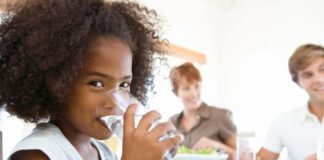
column 189, row 93
column 108, row 66
column 312, row 80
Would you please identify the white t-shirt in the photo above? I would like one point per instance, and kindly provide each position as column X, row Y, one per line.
column 298, row 130
column 49, row 139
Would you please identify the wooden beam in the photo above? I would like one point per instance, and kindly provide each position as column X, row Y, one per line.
column 187, row 54
column 5, row 3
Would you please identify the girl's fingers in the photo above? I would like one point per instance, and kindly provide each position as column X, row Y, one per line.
column 167, row 137
column 129, row 123
column 172, row 142
column 162, row 129
column 148, row 120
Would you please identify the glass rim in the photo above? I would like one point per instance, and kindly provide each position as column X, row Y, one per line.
column 118, row 89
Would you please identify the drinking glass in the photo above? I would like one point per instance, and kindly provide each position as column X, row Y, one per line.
column 320, row 149
column 245, row 141
column 119, row 99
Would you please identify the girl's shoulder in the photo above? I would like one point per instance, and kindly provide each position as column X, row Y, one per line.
column 48, row 140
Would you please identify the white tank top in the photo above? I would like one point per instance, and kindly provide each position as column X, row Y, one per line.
column 50, row 140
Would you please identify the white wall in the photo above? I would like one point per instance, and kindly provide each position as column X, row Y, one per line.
column 248, row 43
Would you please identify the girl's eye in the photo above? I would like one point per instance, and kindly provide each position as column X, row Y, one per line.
column 96, row 84
column 125, row 85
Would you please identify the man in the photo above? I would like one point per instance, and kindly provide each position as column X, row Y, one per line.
column 300, row 129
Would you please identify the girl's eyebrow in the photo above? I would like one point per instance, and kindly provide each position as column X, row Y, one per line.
column 106, row 76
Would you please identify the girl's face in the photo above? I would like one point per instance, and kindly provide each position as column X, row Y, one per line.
column 312, row 80
column 108, row 66
column 189, row 93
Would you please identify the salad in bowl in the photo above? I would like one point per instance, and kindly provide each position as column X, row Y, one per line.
column 185, row 153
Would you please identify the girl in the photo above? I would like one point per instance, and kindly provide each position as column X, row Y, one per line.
column 57, row 60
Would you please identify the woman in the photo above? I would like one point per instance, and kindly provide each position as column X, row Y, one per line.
column 58, row 59
column 203, row 126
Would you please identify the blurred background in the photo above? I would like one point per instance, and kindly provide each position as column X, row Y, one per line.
column 241, row 48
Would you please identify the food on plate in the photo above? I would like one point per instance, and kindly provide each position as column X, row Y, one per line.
column 185, row 150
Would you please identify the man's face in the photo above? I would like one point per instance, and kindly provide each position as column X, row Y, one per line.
column 312, row 80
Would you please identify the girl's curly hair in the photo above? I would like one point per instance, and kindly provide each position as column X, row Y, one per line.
column 43, row 46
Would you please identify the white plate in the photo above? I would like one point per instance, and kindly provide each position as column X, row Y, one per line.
column 200, row 157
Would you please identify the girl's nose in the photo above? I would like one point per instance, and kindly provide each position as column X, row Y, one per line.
column 107, row 107
column 114, row 102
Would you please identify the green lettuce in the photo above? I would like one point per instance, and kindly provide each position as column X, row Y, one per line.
column 185, row 150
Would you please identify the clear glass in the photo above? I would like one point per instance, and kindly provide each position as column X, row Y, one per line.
column 245, row 141
column 320, row 149
column 119, row 99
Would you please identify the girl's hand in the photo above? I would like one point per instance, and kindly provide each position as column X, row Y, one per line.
column 142, row 143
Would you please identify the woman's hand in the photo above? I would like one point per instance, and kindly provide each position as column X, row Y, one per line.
column 311, row 157
column 205, row 142
column 142, row 143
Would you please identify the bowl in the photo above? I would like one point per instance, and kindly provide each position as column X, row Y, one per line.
column 216, row 156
